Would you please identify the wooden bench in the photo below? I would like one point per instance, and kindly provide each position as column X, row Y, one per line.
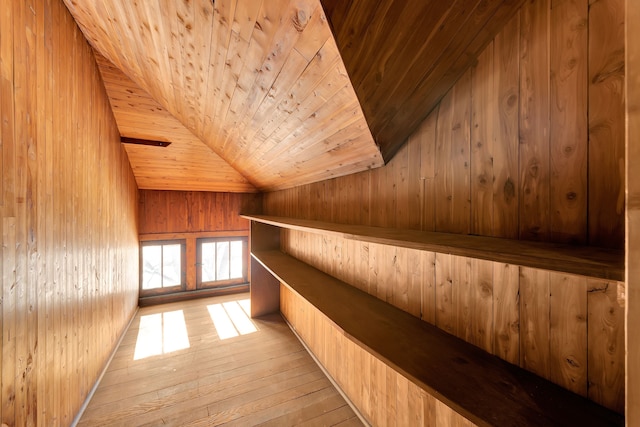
column 602, row 263
column 479, row 386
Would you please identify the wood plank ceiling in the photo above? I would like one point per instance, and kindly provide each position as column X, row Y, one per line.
column 404, row 56
column 187, row 164
column 261, row 83
column 262, row 86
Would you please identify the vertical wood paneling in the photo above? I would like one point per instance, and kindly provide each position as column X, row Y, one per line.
column 606, row 353
column 632, row 231
column 532, row 318
column 483, row 108
column 533, row 177
column 606, row 129
column 194, row 211
column 463, row 302
column 506, row 78
column 426, row 135
column 568, row 113
column 534, row 321
column 445, row 317
column 506, row 312
column 482, row 320
column 382, row 395
column 534, row 120
column 69, row 220
column 568, row 331
column 542, row 63
column 452, row 175
column 429, row 285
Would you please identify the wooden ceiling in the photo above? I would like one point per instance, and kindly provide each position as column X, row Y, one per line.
column 187, row 164
column 262, row 85
column 404, row 56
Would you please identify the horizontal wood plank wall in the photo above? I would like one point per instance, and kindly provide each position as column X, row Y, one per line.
column 566, row 328
column 528, row 144
column 194, row 211
column 69, row 218
column 383, row 396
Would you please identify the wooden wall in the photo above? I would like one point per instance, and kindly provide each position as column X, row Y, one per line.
column 382, row 395
column 195, row 211
column 69, row 269
column 190, row 215
column 529, row 143
column 563, row 327
column 633, row 212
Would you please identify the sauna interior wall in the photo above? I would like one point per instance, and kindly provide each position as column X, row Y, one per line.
column 529, row 144
column 195, row 211
column 69, row 271
column 190, row 215
column 632, row 414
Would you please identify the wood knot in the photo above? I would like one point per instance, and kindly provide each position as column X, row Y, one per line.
column 300, row 20
column 509, row 190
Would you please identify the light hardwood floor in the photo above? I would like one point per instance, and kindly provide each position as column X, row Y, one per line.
column 200, row 362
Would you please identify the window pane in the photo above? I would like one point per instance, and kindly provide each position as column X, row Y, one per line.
column 236, row 259
column 151, row 267
column 208, row 262
column 222, row 261
column 171, row 259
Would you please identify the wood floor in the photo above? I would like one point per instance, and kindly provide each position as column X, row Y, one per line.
column 204, row 362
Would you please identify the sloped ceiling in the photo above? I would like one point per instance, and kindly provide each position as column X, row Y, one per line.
column 263, row 86
column 260, row 83
column 186, row 164
column 404, row 56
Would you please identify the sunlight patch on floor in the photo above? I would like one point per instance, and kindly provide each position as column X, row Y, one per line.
column 231, row 319
column 161, row 333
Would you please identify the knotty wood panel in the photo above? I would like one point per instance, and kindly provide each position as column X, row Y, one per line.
column 69, row 218
column 632, row 50
column 401, row 75
column 186, row 164
column 194, row 211
column 382, row 395
column 606, row 132
column 568, row 116
column 261, row 83
column 534, row 318
column 529, row 179
column 534, row 120
column 452, row 174
column 606, row 303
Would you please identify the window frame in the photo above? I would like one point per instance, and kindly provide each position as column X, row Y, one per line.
column 226, row 282
column 183, row 268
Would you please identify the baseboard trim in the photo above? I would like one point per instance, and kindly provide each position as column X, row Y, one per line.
column 83, row 408
column 327, row 374
column 189, row 295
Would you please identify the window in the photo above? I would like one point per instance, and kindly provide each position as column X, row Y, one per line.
column 163, row 266
column 222, row 261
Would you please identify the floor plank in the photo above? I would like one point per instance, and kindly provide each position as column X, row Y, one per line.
column 200, row 362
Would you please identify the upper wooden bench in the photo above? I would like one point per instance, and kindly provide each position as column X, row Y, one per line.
column 583, row 260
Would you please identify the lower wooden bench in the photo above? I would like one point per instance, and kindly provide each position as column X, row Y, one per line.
column 480, row 387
